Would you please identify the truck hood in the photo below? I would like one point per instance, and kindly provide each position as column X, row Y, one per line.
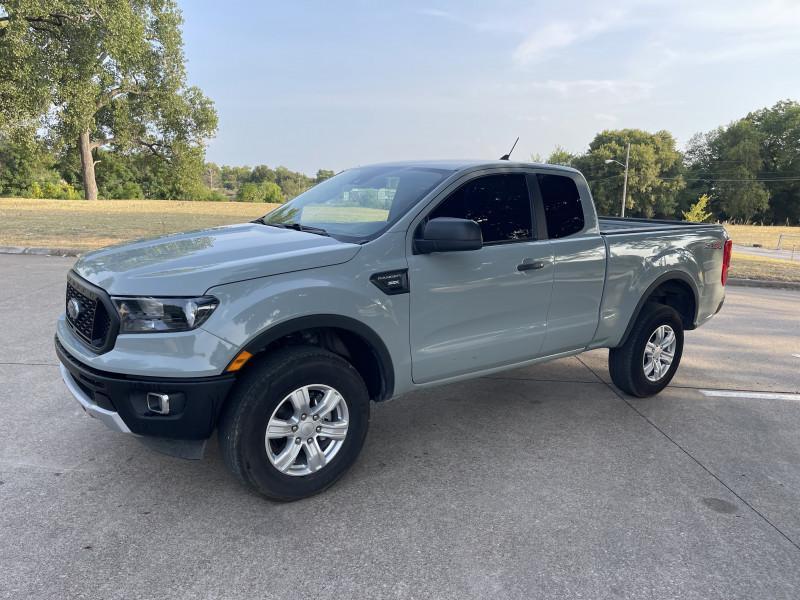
column 187, row 264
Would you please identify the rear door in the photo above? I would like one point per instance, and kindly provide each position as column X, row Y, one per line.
column 579, row 254
column 480, row 309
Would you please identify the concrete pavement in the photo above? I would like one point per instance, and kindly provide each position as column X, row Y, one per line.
column 544, row 482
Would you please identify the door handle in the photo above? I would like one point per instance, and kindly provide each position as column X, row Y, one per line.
column 530, row 266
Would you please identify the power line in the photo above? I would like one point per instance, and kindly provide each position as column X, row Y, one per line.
column 604, row 178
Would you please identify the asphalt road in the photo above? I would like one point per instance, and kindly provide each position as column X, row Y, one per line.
column 543, row 482
column 784, row 254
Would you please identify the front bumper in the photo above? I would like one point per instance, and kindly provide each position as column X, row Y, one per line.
column 111, row 419
column 120, row 401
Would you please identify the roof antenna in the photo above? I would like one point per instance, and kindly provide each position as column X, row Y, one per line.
column 506, row 156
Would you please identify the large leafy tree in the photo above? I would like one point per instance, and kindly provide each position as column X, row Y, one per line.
column 654, row 174
column 103, row 74
column 751, row 168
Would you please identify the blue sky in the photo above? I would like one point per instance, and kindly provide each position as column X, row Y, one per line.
column 312, row 84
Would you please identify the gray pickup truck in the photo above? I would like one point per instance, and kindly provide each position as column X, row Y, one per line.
column 378, row 282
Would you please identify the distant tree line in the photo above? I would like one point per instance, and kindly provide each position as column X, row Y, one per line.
column 30, row 168
column 747, row 171
column 259, row 184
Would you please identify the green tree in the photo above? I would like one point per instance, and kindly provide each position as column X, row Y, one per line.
column 322, row 175
column 249, row 192
column 266, row 191
column 118, row 178
column 779, row 127
column 212, row 176
column 24, row 160
column 292, row 183
column 233, row 177
column 751, row 167
column 698, row 213
column 261, row 173
column 654, row 176
column 271, row 192
column 559, row 156
column 103, row 74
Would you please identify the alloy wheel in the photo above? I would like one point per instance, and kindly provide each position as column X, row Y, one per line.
column 659, row 352
column 306, row 430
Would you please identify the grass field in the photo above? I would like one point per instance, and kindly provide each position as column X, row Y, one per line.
column 763, row 235
column 770, row 269
column 82, row 225
column 86, row 225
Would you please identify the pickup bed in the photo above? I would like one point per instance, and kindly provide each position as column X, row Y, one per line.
column 385, row 279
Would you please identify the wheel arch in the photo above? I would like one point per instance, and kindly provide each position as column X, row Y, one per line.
column 348, row 337
column 675, row 289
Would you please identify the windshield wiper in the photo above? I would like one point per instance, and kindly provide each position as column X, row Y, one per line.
column 297, row 227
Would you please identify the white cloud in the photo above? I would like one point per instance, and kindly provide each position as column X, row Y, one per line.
column 561, row 34
column 615, row 89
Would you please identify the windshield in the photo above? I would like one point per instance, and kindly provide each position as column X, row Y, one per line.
column 360, row 203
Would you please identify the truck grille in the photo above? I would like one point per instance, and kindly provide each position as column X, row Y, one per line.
column 91, row 321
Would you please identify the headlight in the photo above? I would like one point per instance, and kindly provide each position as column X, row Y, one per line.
column 152, row 315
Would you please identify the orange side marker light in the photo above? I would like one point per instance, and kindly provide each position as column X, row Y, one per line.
column 238, row 362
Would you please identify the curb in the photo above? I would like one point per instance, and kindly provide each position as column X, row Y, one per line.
column 41, row 251
column 785, row 285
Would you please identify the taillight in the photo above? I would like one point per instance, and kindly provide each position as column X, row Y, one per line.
column 726, row 260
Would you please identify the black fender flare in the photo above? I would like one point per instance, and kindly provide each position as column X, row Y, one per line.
column 297, row 324
column 670, row 276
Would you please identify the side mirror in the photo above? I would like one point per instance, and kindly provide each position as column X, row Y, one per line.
column 445, row 234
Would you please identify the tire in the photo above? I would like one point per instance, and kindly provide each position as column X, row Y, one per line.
column 264, row 395
column 628, row 364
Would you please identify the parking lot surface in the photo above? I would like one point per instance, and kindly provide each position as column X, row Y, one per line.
column 543, row 482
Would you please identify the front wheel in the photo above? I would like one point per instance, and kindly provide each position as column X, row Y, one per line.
column 645, row 364
column 295, row 423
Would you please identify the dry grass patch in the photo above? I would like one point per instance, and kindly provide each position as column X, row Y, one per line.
column 770, row 269
column 86, row 225
column 763, row 235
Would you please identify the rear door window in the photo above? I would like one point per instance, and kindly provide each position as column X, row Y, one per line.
column 562, row 205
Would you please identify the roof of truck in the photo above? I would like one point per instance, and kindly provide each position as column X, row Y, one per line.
column 460, row 165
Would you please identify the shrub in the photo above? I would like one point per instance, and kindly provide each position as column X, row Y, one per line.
column 249, row 192
column 698, row 213
column 266, row 191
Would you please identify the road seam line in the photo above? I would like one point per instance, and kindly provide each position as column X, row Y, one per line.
column 701, row 465
column 745, row 394
column 536, row 379
column 21, row 364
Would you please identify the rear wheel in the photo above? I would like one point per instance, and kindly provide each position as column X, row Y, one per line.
column 295, row 423
column 645, row 364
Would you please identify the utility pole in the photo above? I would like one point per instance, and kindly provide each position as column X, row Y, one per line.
column 625, row 181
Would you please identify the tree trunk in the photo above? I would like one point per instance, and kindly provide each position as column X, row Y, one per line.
column 87, row 167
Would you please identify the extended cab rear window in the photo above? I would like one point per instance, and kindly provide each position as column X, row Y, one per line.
column 562, row 205
column 498, row 203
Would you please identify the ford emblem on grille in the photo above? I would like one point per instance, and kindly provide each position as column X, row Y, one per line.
column 74, row 309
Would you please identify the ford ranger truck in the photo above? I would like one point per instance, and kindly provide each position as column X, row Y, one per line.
column 380, row 281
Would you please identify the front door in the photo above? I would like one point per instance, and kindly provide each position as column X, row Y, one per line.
column 486, row 308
